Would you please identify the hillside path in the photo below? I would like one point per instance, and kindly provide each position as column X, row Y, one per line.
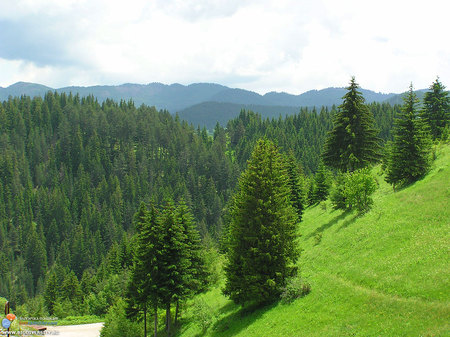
column 83, row 330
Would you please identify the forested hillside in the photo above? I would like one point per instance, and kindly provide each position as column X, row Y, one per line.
column 73, row 173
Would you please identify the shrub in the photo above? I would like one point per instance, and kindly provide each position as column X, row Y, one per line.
column 337, row 195
column 317, row 239
column 359, row 186
column 116, row 323
column 202, row 313
column 33, row 307
column 296, row 287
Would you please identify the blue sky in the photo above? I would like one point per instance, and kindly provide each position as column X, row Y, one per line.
column 260, row 45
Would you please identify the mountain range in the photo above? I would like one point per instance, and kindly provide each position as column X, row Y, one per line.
column 203, row 103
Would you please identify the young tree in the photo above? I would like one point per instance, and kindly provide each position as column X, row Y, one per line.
column 436, row 109
column 353, row 142
column 409, row 157
column 262, row 250
column 321, row 185
column 196, row 275
column 295, row 184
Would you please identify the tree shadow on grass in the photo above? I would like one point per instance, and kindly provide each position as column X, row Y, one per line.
column 238, row 320
column 329, row 224
column 348, row 222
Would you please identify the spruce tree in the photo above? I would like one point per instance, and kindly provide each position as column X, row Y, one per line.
column 262, row 250
column 144, row 286
column 295, row 184
column 353, row 142
column 322, row 185
column 409, row 155
column 436, row 109
column 195, row 278
column 138, row 295
column 173, row 260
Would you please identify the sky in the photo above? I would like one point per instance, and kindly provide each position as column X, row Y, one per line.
column 259, row 45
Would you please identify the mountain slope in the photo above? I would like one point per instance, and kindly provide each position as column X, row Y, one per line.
column 209, row 113
column 382, row 274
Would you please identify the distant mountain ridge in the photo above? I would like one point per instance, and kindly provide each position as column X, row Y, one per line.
column 176, row 97
column 205, row 104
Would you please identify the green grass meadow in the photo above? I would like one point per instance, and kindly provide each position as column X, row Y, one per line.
column 385, row 273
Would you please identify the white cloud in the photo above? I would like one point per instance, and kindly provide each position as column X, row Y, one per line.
column 282, row 45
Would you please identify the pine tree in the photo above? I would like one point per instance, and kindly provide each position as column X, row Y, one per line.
column 353, row 142
column 409, row 157
column 262, row 251
column 436, row 109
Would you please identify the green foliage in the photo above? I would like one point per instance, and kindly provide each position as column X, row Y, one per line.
column 63, row 308
column 33, row 307
column 262, row 250
column 76, row 320
column 409, row 156
column 97, row 304
column 202, row 313
column 321, row 186
column 353, row 142
column 116, row 323
column 296, row 287
column 337, row 193
column 295, row 184
column 371, row 275
column 358, row 189
column 73, row 172
column 317, row 238
column 436, row 110
column 143, row 279
column 169, row 260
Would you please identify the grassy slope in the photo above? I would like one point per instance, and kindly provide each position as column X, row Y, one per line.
column 383, row 274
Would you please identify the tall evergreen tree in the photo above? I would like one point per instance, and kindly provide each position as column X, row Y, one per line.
column 173, row 259
column 409, row 157
column 139, row 286
column 295, row 184
column 353, row 142
column 436, row 109
column 321, row 185
column 262, row 250
column 195, row 275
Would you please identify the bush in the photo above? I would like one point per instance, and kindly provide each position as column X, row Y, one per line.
column 34, row 307
column 359, row 186
column 116, row 323
column 202, row 313
column 294, row 289
column 337, row 196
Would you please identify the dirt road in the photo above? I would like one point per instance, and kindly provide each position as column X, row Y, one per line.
column 84, row 330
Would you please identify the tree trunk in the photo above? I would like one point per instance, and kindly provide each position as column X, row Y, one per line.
column 145, row 320
column 156, row 321
column 168, row 318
